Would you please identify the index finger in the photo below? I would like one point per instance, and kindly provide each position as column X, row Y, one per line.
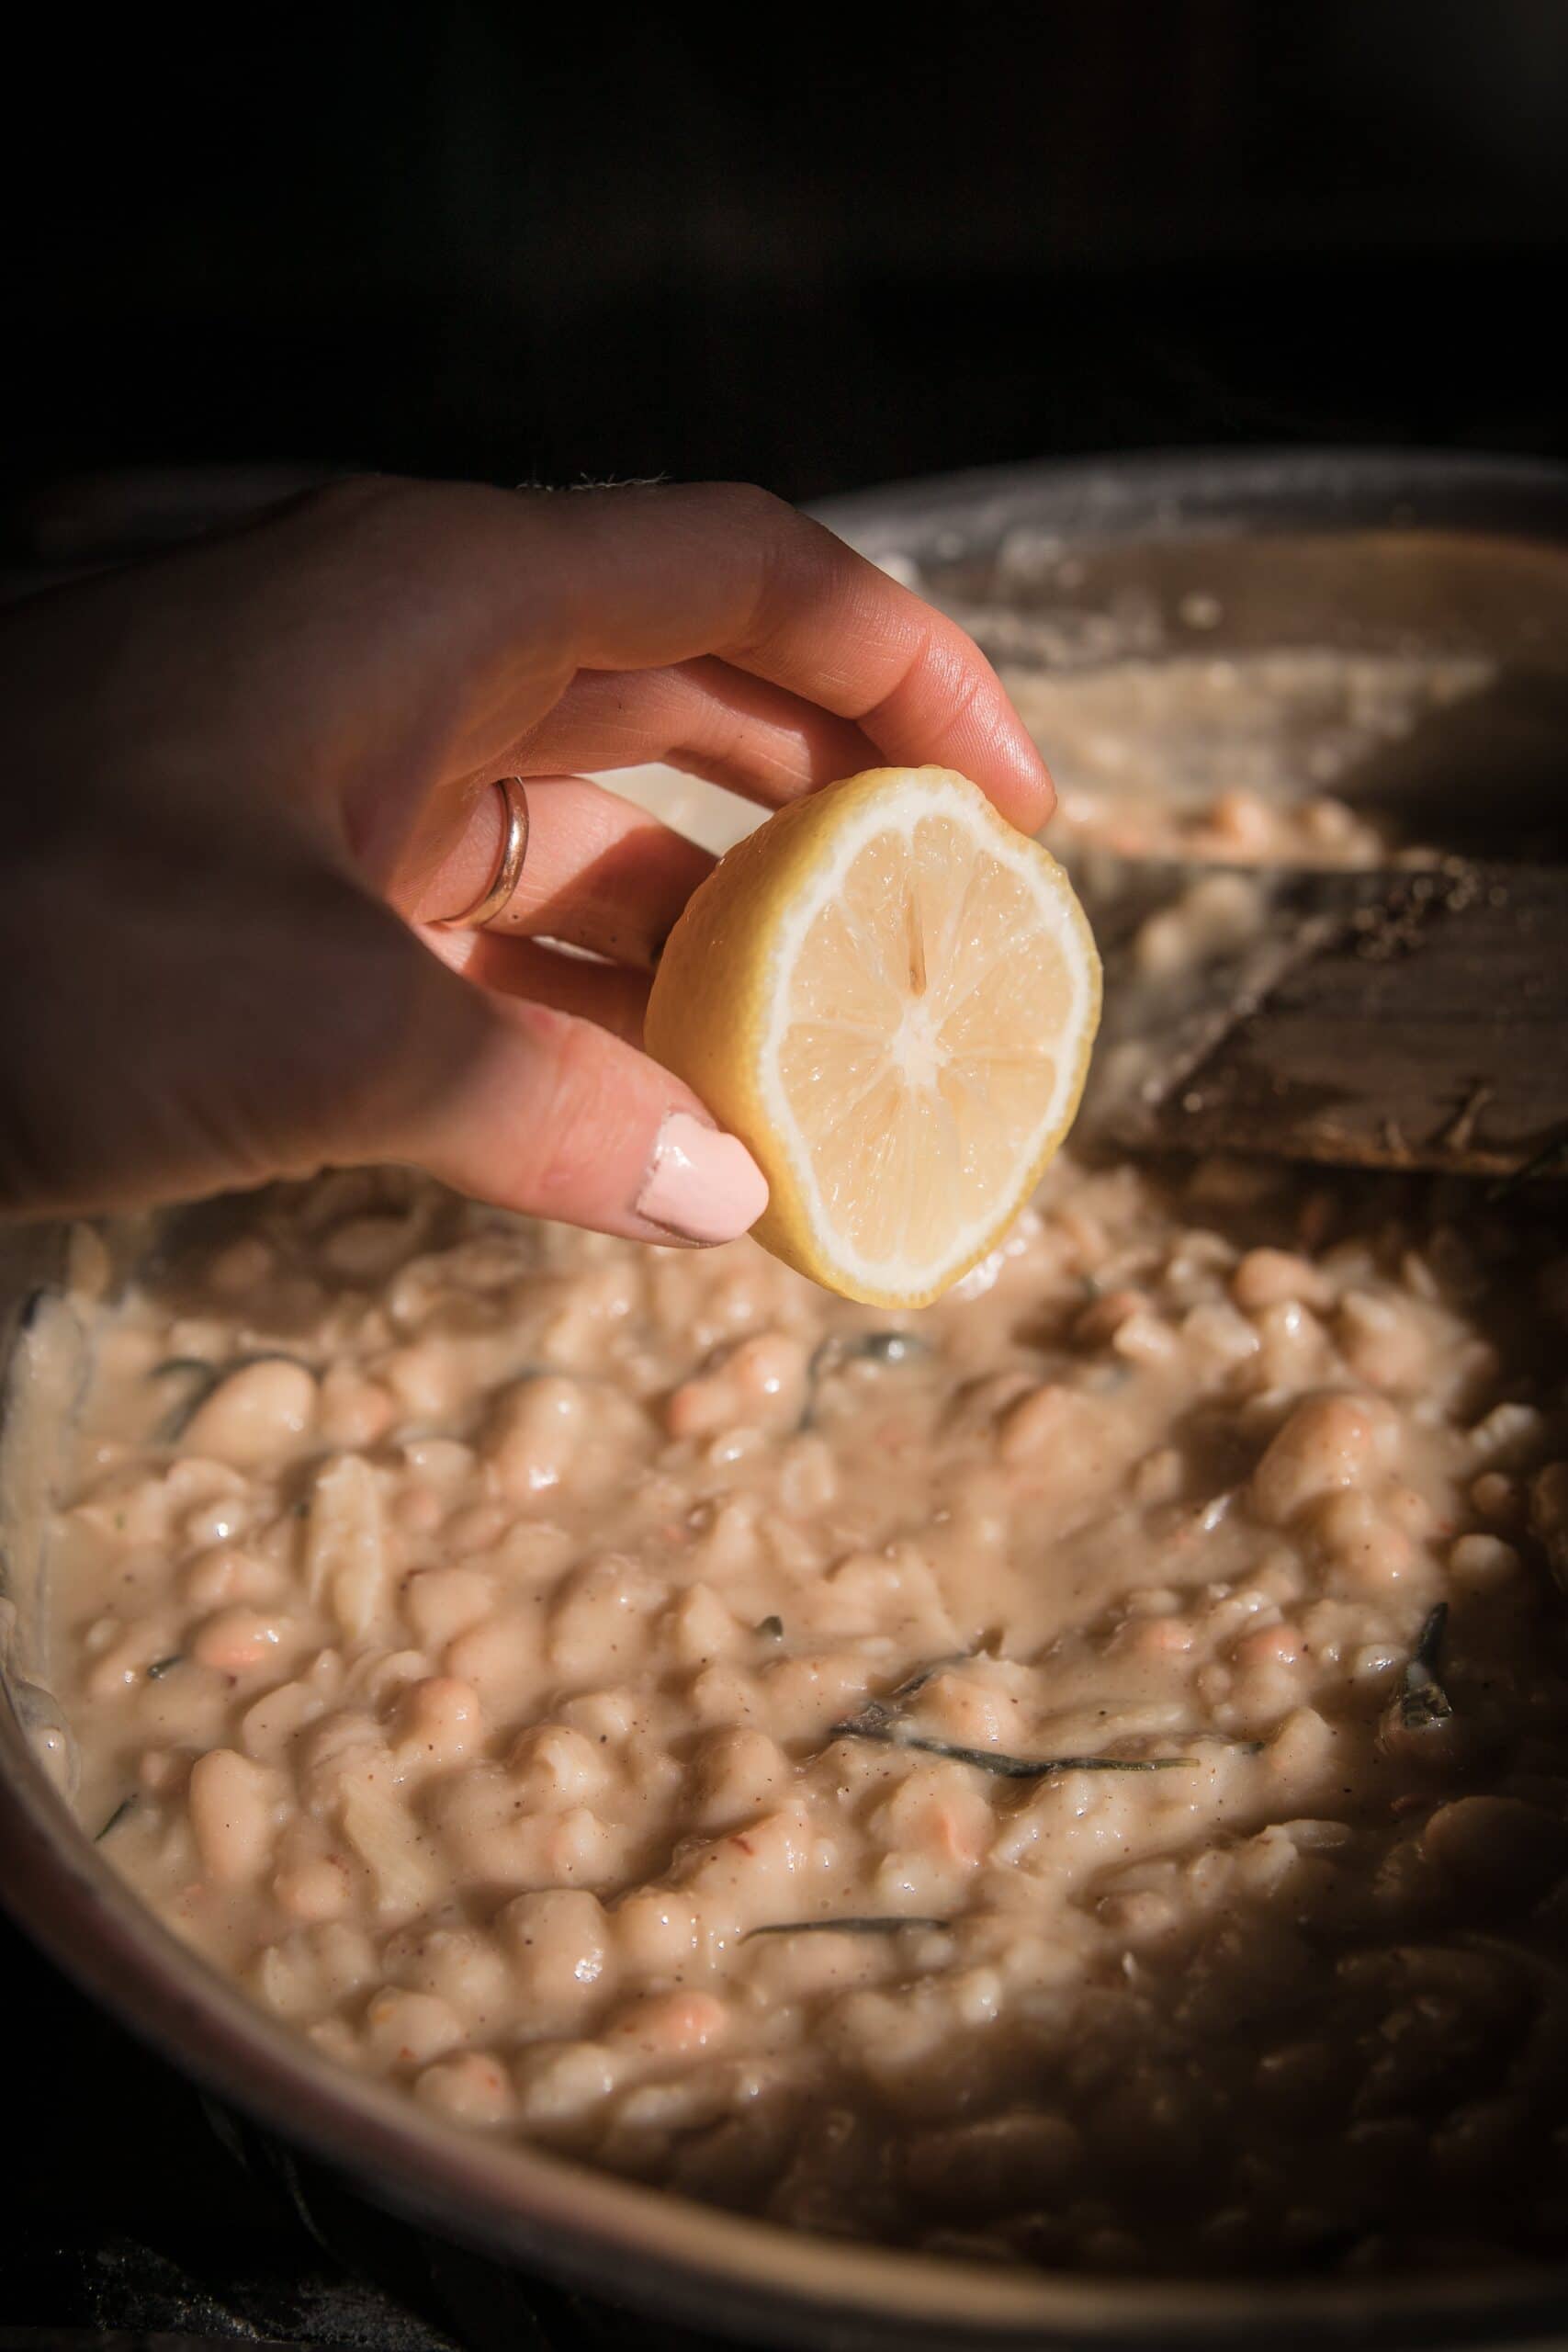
column 650, row 577
column 520, row 591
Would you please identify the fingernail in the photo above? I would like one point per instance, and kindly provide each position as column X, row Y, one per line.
column 703, row 1185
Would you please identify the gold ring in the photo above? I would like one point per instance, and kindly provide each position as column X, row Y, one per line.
column 508, row 865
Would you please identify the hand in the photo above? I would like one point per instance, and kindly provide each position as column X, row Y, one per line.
column 247, row 778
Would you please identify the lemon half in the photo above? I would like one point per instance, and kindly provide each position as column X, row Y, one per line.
column 890, row 995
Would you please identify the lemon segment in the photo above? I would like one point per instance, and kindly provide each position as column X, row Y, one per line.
column 890, row 995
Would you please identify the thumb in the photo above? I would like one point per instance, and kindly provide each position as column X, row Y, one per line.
column 538, row 1111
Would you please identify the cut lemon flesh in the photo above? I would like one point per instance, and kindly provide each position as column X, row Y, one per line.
column 890, row 996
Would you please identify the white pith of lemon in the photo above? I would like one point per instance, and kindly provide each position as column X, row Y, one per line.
column 890, row 995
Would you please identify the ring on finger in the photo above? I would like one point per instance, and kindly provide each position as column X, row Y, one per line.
column 509, row 863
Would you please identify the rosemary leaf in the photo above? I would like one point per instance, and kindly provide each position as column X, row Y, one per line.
column 162, row 1666
column 1429, row 1641
column 771, row 1629
column 994, row 1759
column 924, row 1674
column 861, row 1927
column 873, row 1720
column 126, row 1805
column 1423, row 1703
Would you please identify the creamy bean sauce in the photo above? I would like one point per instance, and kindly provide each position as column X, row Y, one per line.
column 1075, row 1776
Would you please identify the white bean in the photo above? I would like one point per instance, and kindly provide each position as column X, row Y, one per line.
column 258, row 1414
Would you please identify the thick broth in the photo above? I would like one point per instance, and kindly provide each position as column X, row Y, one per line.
column 1079, row 1775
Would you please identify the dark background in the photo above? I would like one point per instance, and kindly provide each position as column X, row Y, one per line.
column 549, row 245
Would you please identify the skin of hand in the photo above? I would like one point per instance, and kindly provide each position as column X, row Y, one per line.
column 247, row 778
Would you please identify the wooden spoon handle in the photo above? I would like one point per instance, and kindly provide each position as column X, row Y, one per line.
column 1402, row 1019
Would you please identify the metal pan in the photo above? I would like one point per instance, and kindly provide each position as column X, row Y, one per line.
column 1358, row 550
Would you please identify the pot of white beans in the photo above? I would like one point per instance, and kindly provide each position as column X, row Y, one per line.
column 1043, row 1819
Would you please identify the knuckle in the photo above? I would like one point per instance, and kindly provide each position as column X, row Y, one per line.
column 403, row 511
column 350, row 497
column 748, row 506
column 793, row 564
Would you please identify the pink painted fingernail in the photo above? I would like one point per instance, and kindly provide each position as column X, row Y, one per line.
column 703, row 1185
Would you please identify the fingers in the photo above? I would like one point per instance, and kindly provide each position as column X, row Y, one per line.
column 707, row 718
column 598, row 873
column 519, row 595
column 656, row 577
column 616, row 999
column 321, row 1032
column 536, row 1111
